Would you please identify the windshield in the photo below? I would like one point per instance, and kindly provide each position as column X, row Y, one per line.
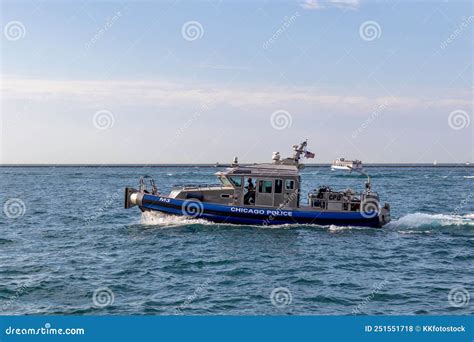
column 225, row 181
column 236, row 181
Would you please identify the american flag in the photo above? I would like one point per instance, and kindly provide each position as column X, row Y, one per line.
column 308, row 154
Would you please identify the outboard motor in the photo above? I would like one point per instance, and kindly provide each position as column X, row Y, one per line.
column 134, row 197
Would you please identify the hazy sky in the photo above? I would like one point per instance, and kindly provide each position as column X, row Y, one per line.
column 203, row 81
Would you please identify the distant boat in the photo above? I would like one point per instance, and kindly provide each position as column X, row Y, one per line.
column 435, row 162
column 346, row 165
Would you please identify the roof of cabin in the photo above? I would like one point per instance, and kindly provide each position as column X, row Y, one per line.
column 262, row 170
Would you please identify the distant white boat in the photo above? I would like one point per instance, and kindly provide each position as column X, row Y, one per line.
column 435, row 162
column 346, row 165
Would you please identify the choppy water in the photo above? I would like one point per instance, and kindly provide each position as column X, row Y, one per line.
column 72, row 238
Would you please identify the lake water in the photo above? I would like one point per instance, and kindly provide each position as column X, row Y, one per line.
column 67, row 246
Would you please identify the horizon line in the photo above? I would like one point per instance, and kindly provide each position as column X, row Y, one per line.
column 459, row 164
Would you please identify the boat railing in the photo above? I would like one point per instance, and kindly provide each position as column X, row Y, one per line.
column 142, row 185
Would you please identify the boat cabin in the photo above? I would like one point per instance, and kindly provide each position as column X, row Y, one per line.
column 267, row 185
column 274, row 184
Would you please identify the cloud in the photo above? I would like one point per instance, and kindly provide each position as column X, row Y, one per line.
column 222, row 67
column 318, row 4
column 178, row 94
column 311, row 5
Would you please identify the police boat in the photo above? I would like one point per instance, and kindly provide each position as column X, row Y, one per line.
column 263, row 194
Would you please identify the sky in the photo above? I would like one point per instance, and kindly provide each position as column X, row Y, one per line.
column 203, row 81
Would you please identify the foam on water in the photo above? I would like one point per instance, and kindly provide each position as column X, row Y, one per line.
column 421, row 220
column 416, row 223
column 150, row 218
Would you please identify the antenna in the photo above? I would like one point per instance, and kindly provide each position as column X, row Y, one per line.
column 299, row 149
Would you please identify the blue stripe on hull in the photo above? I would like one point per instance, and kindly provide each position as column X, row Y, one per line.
column 223, row 214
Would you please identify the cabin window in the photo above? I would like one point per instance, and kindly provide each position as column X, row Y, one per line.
column 355, row 206
column 289, row 184
column 265, row 186
column 225, row 181
column 236, row 181
column 278, row 186
column 225, row 196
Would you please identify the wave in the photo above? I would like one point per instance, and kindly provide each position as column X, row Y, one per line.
column 173, row 221
column 152, row 218
column 468, row 177
column 333, row 228
column 420, row 221
column 415, row 223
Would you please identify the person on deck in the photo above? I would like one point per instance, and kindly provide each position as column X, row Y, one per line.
column 249, row 197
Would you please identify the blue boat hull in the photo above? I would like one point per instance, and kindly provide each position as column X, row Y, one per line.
column 254, row 215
